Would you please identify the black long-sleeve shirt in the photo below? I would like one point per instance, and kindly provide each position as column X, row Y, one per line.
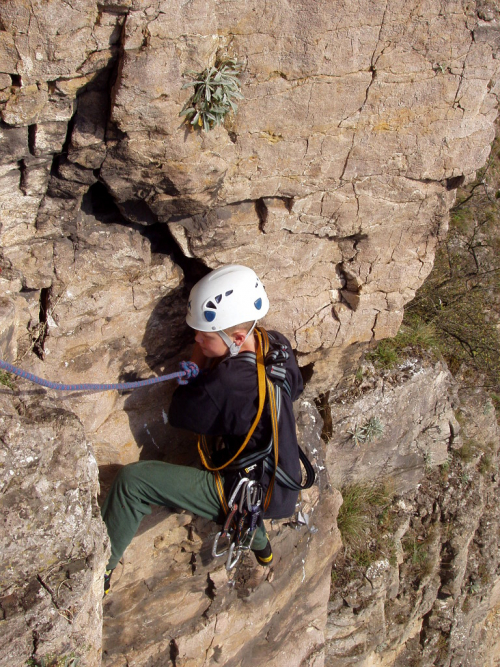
column 224, row 402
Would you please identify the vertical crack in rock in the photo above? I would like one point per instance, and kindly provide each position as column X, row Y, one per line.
column 351, row 288
column 40, row 332
column 374, row 76
column 373, row 70
column 22, row 176
column 174, row 652
column 262, row 213
column 456, row 102
column 57, row 157
column 323, row 405
column 36, row 642
column 351, row 148
column 49, row 590
column 32, row 138
column 379, row 39
column 307, row 372
column 211, row 588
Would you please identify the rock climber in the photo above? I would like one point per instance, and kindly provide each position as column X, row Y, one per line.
column 232, row 402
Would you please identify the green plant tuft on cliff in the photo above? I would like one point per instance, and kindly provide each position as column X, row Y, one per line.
column 415, row 334
column 363, row 513
column 371, row 430
column 6, row 380
column 214, row 95
column 385, row 355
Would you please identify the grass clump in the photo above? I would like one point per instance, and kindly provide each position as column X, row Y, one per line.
column 485, row 464
column 417, row 555
column 467, row 451
column 385, row 355
column 414, row 334
column 363, row 514
column 417, row 552
column 6, row 380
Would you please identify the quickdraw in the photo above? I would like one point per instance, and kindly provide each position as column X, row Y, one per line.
column 245, row 507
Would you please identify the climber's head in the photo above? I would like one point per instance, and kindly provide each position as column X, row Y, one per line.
column 225, row 306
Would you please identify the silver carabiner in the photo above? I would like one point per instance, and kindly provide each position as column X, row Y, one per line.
column 255, row 499
column 248, row 492
column 230, row 563
column 242, row 481
column 215, row 553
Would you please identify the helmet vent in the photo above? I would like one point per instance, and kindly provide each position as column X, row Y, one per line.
column 229, row 292
column 218, row 298
column 258, row 304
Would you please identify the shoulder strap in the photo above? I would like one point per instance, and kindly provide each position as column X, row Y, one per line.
column 262, row 349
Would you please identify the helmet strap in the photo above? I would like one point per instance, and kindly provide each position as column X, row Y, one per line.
column 233, row 348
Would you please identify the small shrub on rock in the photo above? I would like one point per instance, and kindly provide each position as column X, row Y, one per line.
column 214, row 95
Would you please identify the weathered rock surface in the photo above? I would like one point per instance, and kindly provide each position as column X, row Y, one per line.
column 416, row 420
column 333, row 181
column 53, row 545
column 434, row 601
column 189, row 611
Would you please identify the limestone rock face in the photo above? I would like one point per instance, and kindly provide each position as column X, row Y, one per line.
column 412, row 422
column 53, row 545
column 333, row 181
column 189, row 610
column 433, row 597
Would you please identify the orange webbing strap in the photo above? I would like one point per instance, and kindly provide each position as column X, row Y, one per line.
column 220, row 492
column 261, row 381
column 274, row 422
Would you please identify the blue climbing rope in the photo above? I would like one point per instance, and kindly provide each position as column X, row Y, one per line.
column 186, row 366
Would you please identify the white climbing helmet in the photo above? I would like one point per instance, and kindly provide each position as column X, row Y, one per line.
column 225, row 297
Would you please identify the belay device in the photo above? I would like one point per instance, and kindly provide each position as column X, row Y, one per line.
column 246, row 506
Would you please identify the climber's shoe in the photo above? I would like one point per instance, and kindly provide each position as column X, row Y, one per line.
column 107, row 581
column 264, row 556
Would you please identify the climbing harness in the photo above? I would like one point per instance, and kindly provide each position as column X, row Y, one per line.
column 188, row 370
column 244, row 516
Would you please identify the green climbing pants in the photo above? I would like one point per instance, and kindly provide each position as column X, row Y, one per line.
column 139, row 485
